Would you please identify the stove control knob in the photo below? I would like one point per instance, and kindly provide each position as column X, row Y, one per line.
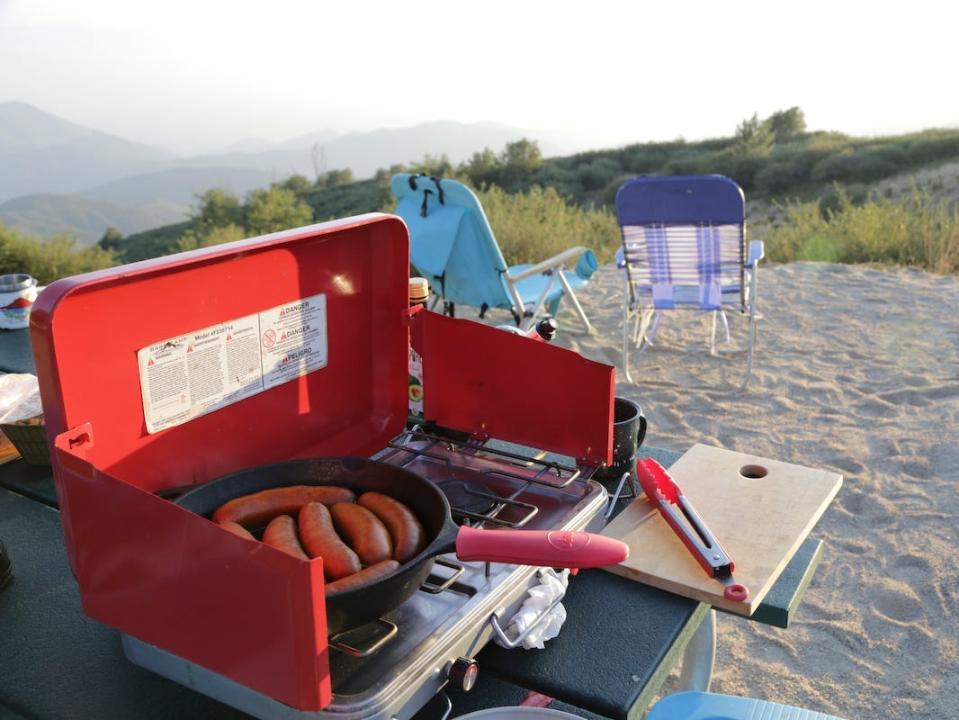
column 462, row 674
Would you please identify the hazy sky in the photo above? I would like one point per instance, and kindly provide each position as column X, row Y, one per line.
column 199, row 75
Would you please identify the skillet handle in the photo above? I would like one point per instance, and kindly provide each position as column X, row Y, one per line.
column 542, row 548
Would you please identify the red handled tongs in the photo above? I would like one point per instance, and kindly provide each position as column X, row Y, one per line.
column 663, row 491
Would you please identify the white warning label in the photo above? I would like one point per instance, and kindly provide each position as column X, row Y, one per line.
column 190, row 375
column 293, row 340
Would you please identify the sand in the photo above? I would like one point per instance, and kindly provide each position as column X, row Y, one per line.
column 857, row 370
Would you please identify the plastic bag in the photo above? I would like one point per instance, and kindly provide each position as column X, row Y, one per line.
column 551, row 587
column 19, row 397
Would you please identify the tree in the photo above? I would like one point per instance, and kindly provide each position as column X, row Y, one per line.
column 198, row 237
column 217, row 208
column 275, row 209
column 787, row 124
column 753, row 138
column 111, row 239
column 435, row 166
column 522, row 155
column 480, row 166
column 299, row 185
column 333, row 178
column 50, row 259
column 387, row 173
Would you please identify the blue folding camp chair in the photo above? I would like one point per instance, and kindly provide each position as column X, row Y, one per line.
column 711, row 706
column 684, row 247
column 452, row 245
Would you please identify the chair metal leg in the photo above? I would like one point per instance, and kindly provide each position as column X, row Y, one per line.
column 721, row 314
column 753, row 287
column 572, row 297
column 626, row 337
column 540, row 305
column 712, row 333
column 700, row 657
column 646, row 326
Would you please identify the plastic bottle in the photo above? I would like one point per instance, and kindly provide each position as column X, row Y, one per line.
column 419, row 293
column 17, row 293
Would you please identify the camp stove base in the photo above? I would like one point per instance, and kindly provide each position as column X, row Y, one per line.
column 434, row 630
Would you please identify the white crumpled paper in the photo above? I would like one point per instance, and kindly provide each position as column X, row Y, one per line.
column 552, row 586
column 19, row 397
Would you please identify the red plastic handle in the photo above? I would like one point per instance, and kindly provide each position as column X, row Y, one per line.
column 550, row 548
column 654, row 479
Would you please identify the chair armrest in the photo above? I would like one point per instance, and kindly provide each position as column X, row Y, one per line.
column 551, row 264
column 757, row 251
column 620, row 257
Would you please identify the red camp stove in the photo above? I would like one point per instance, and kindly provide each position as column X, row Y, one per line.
column 134, row 412
column 392, row 667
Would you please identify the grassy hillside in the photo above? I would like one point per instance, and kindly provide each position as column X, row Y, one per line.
column 804, row 165
column 790, row 176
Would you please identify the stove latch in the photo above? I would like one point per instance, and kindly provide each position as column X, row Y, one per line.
column 462, row 674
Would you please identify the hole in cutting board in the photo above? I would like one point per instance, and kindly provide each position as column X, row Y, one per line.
column 753, row 472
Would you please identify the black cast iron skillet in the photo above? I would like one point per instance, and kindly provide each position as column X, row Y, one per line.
column 359, row 606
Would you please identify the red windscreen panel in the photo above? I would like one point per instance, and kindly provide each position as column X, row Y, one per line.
column 490, row 382
column 87, row 332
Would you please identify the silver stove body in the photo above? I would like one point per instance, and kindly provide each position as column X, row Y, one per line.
column 433, row 629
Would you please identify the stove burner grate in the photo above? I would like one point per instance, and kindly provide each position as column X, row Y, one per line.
column 466, row 496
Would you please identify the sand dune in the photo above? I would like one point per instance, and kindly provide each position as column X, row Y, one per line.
column 857, row 370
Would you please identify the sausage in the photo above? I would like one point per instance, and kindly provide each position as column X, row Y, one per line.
column 281, row 534
column 405, row 530
column 363, row 532
column 320, row 540
column 259, row 508
column 237, row 530
column 363, row 577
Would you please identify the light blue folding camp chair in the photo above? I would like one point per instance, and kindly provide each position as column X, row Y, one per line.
column 452, row 245
column 711, row 706
column 684, row 248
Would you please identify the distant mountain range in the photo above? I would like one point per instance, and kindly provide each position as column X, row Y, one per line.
column 57, row 176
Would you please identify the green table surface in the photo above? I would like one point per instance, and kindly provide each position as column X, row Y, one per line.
column 620, row 640
column 16, row 355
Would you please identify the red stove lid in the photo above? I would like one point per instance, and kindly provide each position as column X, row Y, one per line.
column 192, row 366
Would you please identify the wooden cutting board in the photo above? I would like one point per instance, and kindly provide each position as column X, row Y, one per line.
column 761, row 521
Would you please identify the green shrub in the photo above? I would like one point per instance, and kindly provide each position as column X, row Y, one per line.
column 598, row 173
column 204, row 237
column 691, row 161
column 51, row 259
column 608, row 196
column 648, row 158
column 835, row 196
column 563, row 179
column 919, row 232
column 538, row 224
column 778, row 176
column 832, row 167
column 275, row 209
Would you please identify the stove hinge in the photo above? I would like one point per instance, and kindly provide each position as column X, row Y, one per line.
column 409, row 314
column 588, row 467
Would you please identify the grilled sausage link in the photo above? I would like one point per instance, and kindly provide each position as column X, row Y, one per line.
column 363, row 532
column 237, row 530
column 281, row 534
column 259, row 508
column 363, row 577
column 405, row 530
column 320, row 540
